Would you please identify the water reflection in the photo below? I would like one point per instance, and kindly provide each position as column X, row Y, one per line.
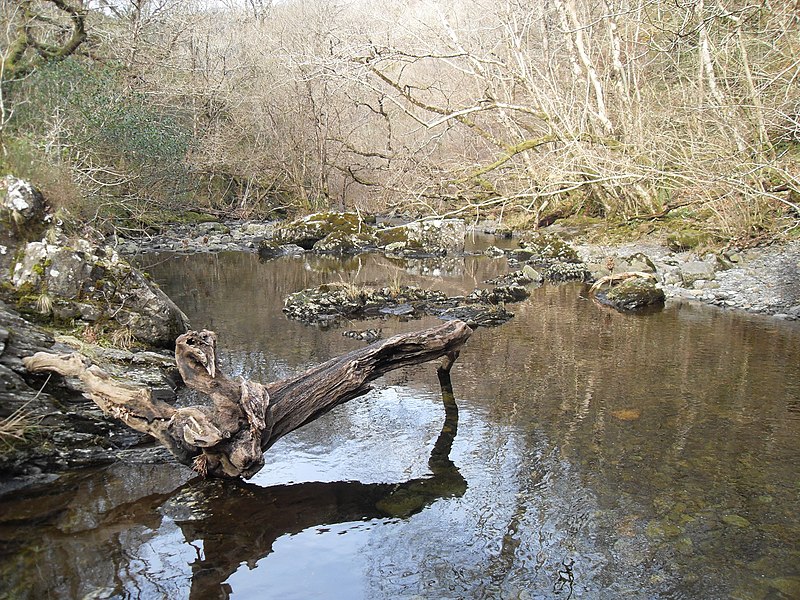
column 213, row 526
column 657, row 456
column 240, row 524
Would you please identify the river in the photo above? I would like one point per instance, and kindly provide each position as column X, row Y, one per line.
column 594, row 455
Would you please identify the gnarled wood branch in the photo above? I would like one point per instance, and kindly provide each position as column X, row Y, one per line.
column 228, row 437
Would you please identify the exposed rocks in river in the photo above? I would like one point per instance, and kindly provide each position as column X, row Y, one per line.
column 340, row 242
column 330, row 304
column 434, row 237
column 348, row 233
column 309, row 230
column 633, row 293
column 549, row 258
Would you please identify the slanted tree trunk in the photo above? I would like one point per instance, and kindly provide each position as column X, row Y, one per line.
column 227, row 438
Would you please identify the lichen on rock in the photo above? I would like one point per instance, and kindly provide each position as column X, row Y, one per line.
column 434, row 237
column 67, row 279
column 633, row 294
column 309, row 230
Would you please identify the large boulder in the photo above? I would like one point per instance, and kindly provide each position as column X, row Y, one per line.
column 23, row 216
column 67, row 279
column 309, row 230
column 431, row 237
column 78, row 280
column 633, row 294
column 341, row 242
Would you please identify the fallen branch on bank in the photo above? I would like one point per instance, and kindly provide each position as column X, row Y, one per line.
column 227, row 438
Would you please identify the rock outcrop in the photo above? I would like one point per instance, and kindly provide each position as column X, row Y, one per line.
column 66, row 279
column 49, row 426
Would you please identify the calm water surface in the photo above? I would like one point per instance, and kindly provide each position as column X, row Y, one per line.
column 596, row 455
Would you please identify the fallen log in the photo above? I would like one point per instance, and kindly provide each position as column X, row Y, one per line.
column 228, row 436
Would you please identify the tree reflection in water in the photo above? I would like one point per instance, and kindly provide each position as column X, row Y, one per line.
column 128, row 532
column 240, row 523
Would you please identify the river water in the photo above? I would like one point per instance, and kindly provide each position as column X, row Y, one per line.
column 593, row 455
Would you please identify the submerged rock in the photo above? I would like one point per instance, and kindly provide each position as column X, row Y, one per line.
column 477, row 315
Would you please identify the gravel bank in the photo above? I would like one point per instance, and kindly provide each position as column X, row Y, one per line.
column 759, row 280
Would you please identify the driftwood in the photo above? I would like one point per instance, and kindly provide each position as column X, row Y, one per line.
column 228, row 437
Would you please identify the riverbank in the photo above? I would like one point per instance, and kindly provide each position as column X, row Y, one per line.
column 764, row 280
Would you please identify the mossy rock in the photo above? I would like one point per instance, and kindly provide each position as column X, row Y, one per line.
column 309, row 230
column 340, row 242
column 545, row 245
column 392, row 235
column 634, row 294
column 434, row 237
column 686, row 239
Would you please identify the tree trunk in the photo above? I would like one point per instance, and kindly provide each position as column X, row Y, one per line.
column 227, row 437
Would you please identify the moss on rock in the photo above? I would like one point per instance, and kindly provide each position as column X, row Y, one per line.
column 309, row 230
column 633, row 294
column 544, row 245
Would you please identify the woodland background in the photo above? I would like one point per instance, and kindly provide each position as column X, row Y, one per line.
column 128, row 112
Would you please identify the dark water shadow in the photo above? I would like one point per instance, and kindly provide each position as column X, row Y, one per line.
column 243, row 520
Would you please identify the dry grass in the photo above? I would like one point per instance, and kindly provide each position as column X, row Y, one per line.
column 18, row 426
column 122, row 338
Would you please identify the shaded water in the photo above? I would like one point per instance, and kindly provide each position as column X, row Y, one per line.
column 597, row 455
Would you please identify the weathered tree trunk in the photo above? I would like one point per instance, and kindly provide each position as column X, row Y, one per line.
column 228, row 437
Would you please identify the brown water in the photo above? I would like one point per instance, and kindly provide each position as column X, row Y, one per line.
column 597, row 455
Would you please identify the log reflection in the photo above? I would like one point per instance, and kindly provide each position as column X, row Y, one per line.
column 243, row 520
